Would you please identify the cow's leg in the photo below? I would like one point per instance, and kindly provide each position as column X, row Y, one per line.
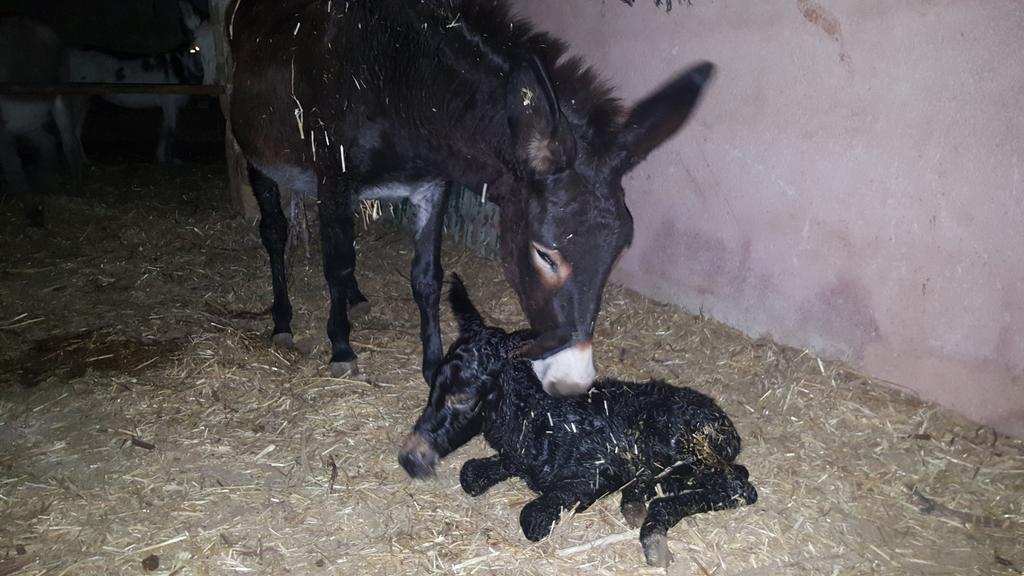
column 480, row 474
column 426, row 273
column 48, row 167
column 14, row 173
column 688, row 496
column 274, row 233
column 79, row 109
column 540, row 515
column 64, row 118
column 336, row 234
column 165, row 152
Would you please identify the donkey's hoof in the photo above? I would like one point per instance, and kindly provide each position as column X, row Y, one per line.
column 342, row 369
column 359, row 310
column 283, row 340
column 656, row 550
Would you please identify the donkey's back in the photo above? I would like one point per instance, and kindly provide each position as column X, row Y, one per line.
column 378, row 82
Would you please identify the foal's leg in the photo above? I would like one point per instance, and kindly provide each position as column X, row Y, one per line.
column 480, row 474
column 336, row 234
column 634, row 503
column 539, row 516
column 714, row 491
column 274, row 233
column 426, row 273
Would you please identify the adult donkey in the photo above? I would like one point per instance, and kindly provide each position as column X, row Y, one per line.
column 396, row 98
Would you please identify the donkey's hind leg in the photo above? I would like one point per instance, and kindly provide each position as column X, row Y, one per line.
column 274, row 233
column 337, row 233
column 688, row 496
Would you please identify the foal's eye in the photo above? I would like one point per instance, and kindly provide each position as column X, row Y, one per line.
column 461, row 402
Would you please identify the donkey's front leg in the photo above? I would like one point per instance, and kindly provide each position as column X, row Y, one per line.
column 336, row 234
column 426, row 275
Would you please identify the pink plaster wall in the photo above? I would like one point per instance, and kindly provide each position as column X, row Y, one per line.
column 851, row 184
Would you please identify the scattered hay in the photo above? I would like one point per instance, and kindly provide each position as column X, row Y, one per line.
column 228, row 456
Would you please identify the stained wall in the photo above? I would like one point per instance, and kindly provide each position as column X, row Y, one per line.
column 852, row 183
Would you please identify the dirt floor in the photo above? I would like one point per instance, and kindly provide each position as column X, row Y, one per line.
column 146, row 425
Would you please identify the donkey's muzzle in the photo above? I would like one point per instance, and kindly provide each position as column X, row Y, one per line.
column 568, row 372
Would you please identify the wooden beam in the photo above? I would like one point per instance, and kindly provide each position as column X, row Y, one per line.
column 100, row 89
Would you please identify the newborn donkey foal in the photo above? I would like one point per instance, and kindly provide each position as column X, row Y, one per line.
column 670, row 450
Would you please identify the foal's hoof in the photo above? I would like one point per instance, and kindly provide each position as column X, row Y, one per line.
column 342, row 369
column 634, row 512
column 537, row 520
column 283, row 340
column 656, row 550
column 359, row 310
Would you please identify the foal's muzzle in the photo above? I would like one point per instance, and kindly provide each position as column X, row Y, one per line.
column 418, row 457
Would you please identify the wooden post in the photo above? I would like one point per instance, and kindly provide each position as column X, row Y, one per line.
column 238, row 176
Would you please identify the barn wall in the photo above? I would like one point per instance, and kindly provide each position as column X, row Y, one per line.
column 852, row 183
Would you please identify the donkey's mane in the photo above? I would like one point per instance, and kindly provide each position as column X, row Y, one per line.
column 583, row 95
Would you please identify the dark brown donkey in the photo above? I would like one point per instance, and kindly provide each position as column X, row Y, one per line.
column 355, row 99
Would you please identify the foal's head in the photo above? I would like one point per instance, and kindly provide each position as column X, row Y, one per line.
column 466, row 380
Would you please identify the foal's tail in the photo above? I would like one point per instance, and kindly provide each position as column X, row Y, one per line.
column 467, row 315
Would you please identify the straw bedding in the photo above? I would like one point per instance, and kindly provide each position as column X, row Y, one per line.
column 147, row 426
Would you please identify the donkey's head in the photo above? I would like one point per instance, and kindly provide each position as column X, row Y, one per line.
column 567, row 223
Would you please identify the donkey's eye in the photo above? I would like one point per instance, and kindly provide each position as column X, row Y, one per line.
column 545, row 256
column 552, row 267
column 547, row 259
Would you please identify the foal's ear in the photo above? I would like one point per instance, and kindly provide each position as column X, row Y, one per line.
column 542, row 139
column 655, row 119
column 465, row 312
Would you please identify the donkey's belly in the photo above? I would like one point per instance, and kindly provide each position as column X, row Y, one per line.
column 301, row 180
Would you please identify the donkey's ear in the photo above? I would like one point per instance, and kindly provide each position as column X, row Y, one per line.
column 655, row 119
column 541, row 137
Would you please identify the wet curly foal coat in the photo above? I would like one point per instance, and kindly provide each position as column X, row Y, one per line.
column 670, row 450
